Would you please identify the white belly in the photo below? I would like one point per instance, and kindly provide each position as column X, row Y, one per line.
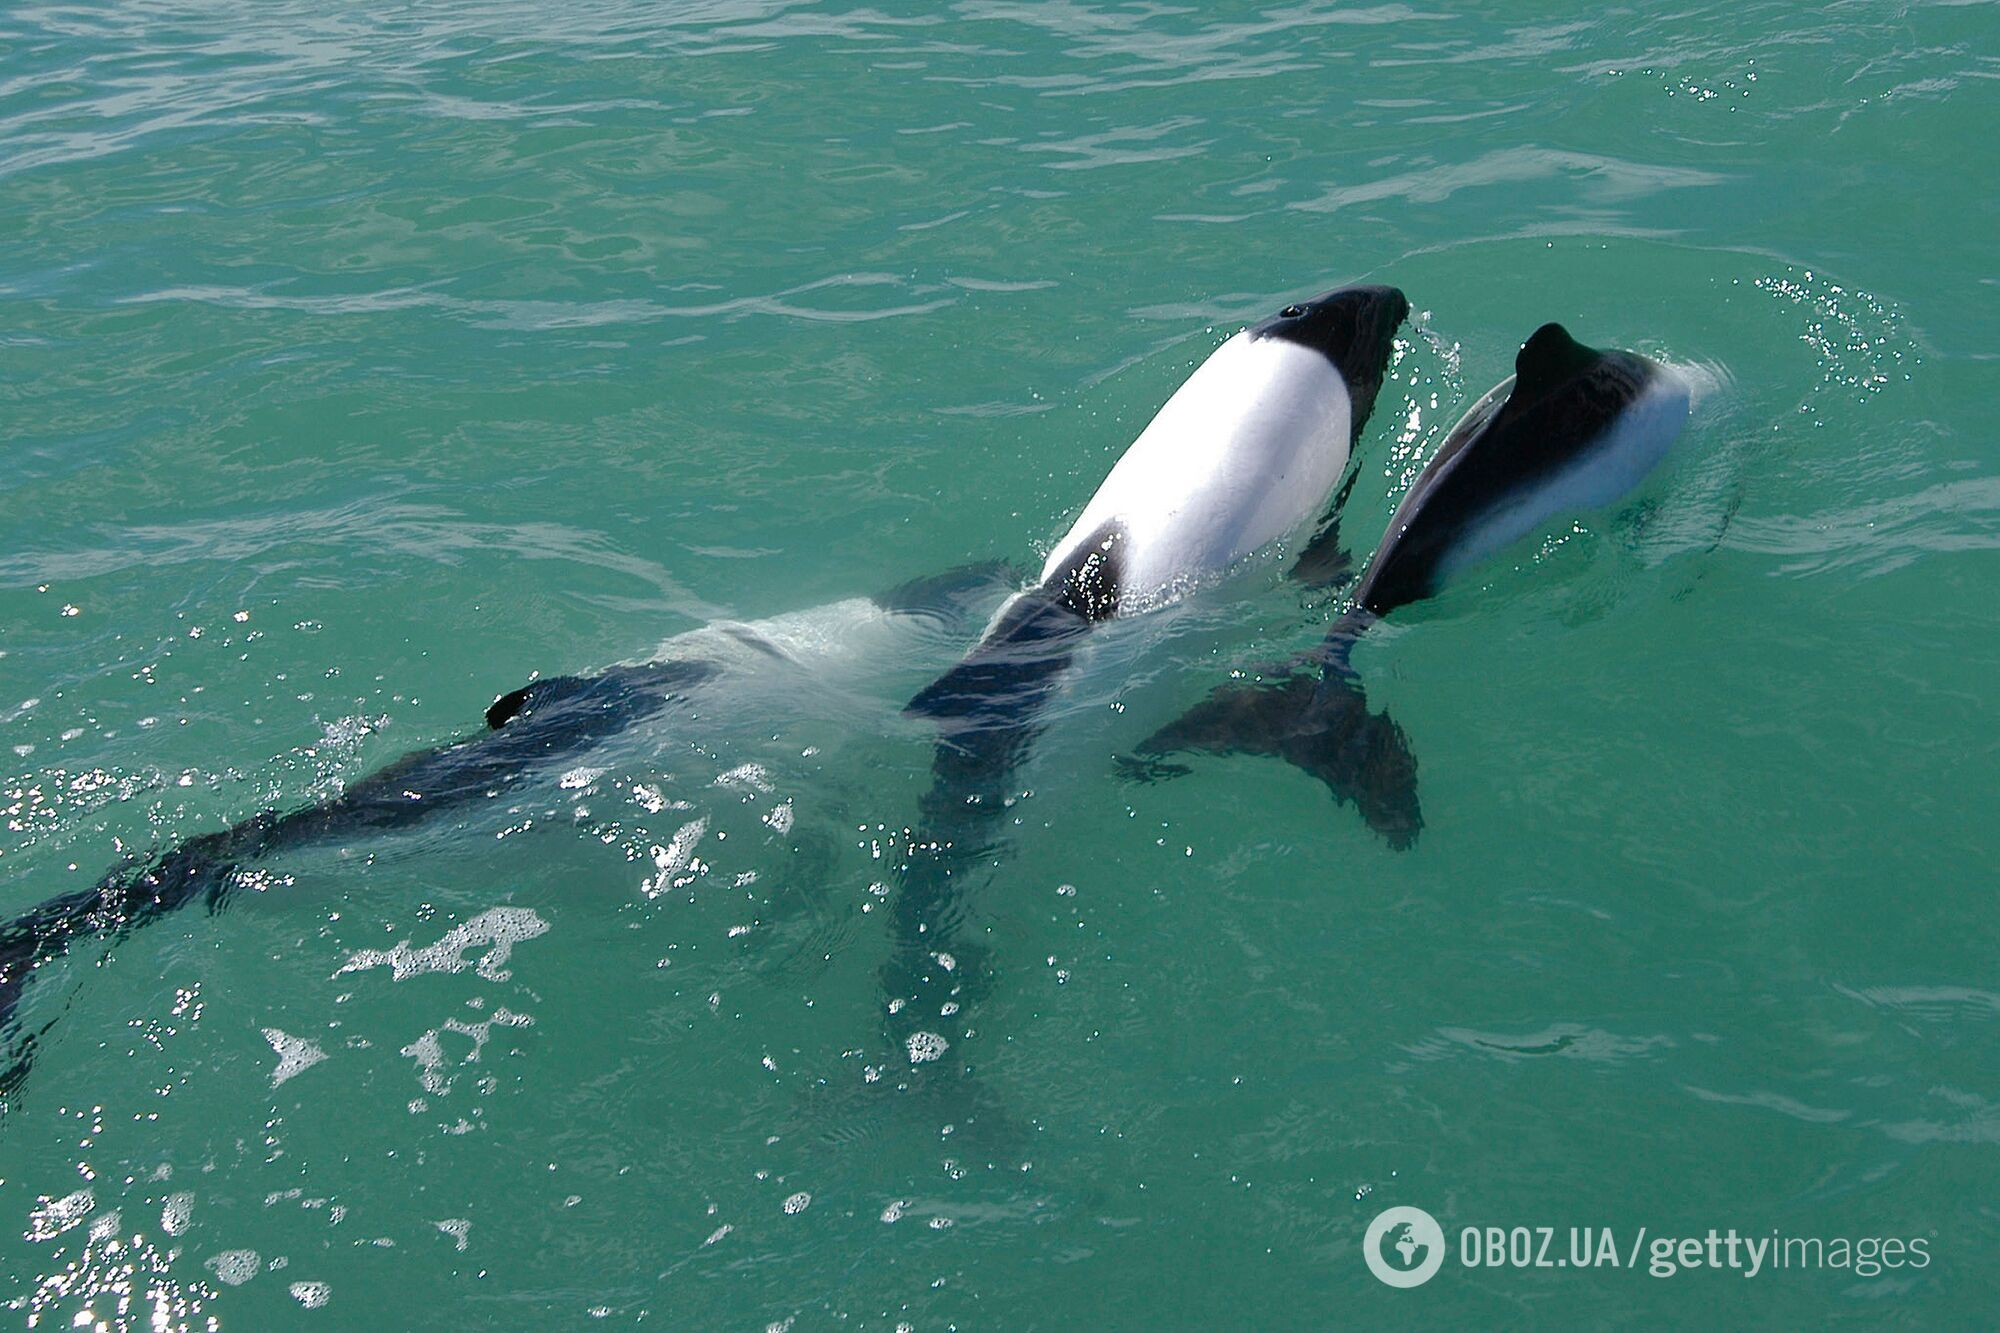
column 1611, row 468
column 1245, row 452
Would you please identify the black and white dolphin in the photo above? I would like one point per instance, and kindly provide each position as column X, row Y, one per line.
column 1246, row 453
column 1573, row 429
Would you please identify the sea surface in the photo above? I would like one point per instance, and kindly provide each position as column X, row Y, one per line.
column 360, row 361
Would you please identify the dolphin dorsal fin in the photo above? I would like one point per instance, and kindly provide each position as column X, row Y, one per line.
column 1549, row 357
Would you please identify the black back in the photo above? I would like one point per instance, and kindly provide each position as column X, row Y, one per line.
column 1353, row 327
column 1565, row 396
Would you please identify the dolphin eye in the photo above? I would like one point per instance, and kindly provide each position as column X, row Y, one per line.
column 1291, row 312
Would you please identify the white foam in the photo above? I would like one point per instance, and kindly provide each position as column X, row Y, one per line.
column 295, row 1054
column 676, row 862
column 235, row 1267
column 312, row 1295
column 498, row 928
column 925, row 1047
column 175, row 1215
column 51, row 1217
column 752, row 776
column 428, row 1050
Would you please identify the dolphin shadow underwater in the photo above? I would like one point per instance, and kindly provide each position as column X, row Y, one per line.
column 1243, row 456
column 1574, row 429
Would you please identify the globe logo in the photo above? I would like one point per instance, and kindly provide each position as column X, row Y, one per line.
column 1404, row 1247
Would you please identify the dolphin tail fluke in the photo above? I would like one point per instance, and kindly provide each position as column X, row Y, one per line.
column 1317, row 720
column 19, row 954
column 119, row 903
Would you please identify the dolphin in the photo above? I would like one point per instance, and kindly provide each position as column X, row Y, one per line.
column 735, row 666
column 1244, row 454
column 1574, row 429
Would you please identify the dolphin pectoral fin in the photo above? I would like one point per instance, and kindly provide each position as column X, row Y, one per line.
column 989, row 688
column 1006, row 677
column 1325, row 562
column 951, row 590
column 1322, row 726
column 1008, row 674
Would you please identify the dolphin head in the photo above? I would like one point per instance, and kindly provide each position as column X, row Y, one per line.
column 1354, row 328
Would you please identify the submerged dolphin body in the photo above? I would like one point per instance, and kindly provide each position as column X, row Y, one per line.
column 745, row 666
column 1574, row 429
column 1246, row 452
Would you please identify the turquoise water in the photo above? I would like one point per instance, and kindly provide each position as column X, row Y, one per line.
column 361, row 361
